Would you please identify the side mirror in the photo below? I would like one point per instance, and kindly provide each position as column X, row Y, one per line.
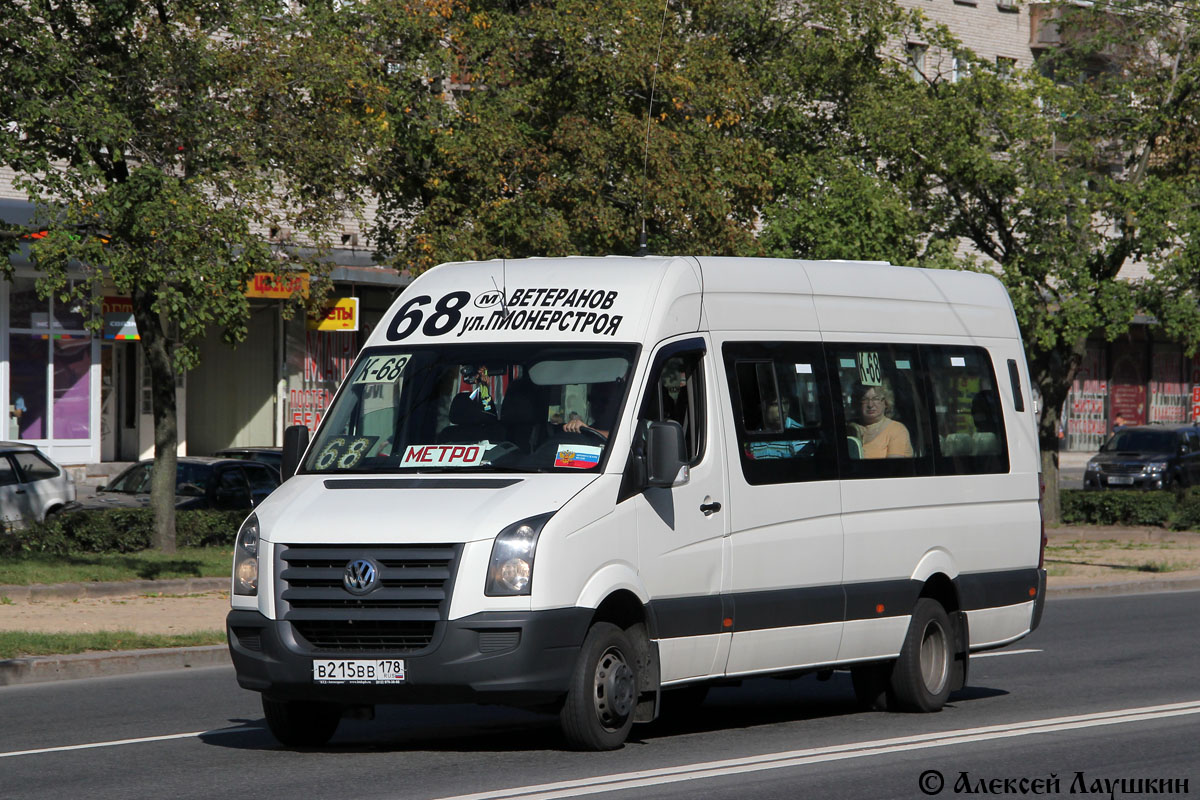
column 666, row 457
column 295, row 442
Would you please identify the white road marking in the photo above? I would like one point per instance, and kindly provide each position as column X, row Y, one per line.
column 1002, row 653
column 794, row 758
column 120, row 742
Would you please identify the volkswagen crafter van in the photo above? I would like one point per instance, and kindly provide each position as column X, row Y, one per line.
column 577, row 484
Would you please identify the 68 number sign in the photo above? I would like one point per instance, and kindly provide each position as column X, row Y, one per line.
column 869, row 371
column 444, row 317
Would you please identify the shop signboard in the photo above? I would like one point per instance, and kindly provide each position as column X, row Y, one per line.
column 118, row 319
column 269, row 286
column 1085, row 415
column 341, row 316
column 1168, row 391
column 1195, row 376
column 317, row 362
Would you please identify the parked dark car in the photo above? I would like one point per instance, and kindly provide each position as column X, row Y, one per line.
column 1146, row 457
column 219, row 483
column 272, row 456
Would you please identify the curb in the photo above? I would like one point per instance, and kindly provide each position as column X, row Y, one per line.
column 1129, row 587
column 43, row 669
column 72, row 591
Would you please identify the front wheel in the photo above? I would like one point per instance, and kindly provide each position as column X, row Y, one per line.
column 921, row 677
column 300, row 724
column 598, row 711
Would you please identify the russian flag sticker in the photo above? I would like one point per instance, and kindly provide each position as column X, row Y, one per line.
column 580, row 456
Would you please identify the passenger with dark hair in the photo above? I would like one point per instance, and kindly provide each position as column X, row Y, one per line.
column 776, row 418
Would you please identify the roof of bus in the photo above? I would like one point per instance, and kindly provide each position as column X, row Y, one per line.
column 646, row 299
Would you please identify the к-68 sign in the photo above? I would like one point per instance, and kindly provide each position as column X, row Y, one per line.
column 559, row 309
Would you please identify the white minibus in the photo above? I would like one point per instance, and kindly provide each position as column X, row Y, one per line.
column 587, row 485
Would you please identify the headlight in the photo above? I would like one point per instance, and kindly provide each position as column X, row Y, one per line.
column 1156, row 466
column 511, row 570
column 245, row 558
column 1092, row 467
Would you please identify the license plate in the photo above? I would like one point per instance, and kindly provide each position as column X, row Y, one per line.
column 1120, row 480
column 383, row 670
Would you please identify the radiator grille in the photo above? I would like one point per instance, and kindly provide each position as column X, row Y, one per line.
column 1123, row 468
column 352, row 636
column 400, row 615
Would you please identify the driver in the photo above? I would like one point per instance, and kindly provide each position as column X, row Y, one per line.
column 602, row 398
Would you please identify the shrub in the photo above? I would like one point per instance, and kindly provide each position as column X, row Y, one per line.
column 1116, row 507
column 120, row 530
column 1187, row 512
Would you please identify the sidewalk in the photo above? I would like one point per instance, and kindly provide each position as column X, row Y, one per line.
column 1083, row 562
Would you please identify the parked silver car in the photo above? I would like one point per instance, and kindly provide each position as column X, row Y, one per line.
column 32, row 487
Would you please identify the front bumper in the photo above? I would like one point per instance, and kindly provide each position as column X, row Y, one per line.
column 523, row 658
column 1136, row 480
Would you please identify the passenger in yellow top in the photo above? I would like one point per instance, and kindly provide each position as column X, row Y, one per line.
column 882, row 436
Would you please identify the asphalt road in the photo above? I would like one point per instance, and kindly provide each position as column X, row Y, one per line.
column 1105, row 691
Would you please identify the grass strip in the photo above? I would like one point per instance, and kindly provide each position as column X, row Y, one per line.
column 14, row 644
column 192, row 562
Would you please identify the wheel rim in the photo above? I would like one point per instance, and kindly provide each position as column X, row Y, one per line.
column 935, row 658
column 613, row 689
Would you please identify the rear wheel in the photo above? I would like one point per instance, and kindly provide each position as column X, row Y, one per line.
column 598, row 711
column 921, row 678
column 301, row 724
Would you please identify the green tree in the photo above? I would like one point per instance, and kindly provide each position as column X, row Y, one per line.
column 163, row 141
column 831, row 197
column 1056, row 180
column 545, row 142
column 549, row 127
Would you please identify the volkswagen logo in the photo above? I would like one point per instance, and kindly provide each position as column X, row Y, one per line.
column 361, row 576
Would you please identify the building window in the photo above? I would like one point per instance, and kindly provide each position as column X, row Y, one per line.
column 1005, row 66
column 915, row 54
column 50, row 359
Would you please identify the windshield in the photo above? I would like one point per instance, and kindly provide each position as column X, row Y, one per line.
column 1141, row 442
column 516, row 407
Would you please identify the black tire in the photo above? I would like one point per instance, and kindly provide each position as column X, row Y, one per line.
column 598, row 711
column 870, row 683
column 922, row 676
column 300, row 724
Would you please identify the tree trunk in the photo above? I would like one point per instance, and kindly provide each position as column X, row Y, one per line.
column 153, row 332
column 1053, row 373
column 1051, row 508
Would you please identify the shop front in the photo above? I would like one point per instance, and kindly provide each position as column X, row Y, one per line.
column 289, row 366
column 1135, row 380
column 51, row 373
